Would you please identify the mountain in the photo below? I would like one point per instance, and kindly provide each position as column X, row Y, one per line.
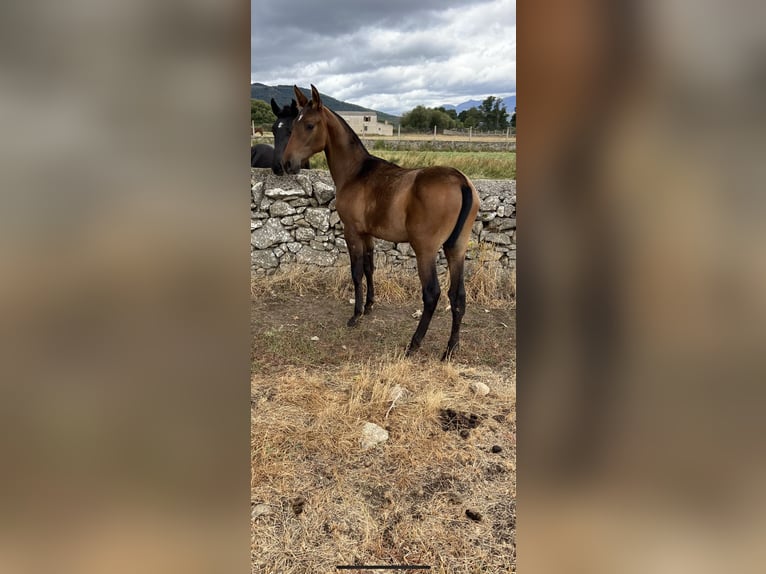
column 283, row 95
column 509, row 101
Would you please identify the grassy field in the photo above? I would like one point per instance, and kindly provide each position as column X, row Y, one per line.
column 481, row 164
column 441, row 490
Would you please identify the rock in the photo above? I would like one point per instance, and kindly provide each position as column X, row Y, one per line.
column 315, row 257
column 281, row 208
column 304, row 234
column 479, row 388
column 305, row 182
column 496, row 449
column 490, row 203
column 282, row 193
column 261, row 259
column 498, row 238
column 270, row 234
column 318, row 217
column 256, row 191
column 260, row 510
column 372, row 435
column 323, row 192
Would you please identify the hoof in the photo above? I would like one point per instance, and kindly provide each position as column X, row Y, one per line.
column 448, row 354
column 353, row 321
column 369, row 307
column 410, row 350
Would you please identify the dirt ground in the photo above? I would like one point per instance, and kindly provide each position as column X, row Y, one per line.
column 439, row 492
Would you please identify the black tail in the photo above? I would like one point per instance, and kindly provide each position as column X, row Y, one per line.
column 464, row 209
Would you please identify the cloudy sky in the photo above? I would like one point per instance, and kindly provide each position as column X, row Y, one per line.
column 388, row 55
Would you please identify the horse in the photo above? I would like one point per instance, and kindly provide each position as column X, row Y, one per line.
column 430, row 208
column 282, row 128
column 262, row 155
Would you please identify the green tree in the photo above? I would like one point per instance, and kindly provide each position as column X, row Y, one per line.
column 471, row 118
column 260, row 113
column 513, row 120
column 423, row 118
column 417, row 119
column 494, row 114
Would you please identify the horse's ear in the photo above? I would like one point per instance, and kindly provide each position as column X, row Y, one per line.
column 302, row 99
column 315, row 97
column 274, row 107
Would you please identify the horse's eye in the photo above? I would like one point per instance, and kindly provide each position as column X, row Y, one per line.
column 309, row 127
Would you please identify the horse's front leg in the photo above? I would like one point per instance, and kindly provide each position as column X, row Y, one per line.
column 369, row 269
column 356, row 253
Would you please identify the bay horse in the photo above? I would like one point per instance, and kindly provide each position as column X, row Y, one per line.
column 430, row 208
column 282, row 128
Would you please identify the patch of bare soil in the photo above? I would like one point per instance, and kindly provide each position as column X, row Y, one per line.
column 439, row 492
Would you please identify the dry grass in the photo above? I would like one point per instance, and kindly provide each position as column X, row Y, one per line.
column 402, row 502
column 486, row 282
column 318, row 499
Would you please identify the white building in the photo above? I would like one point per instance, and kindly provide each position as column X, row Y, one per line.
column 366, row 124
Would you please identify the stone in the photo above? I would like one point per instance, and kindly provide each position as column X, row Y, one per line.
column 372, row 435
column 281, row 208
column 304, row 181
column 480, row 389
column 490, row 203
column 256, row 191
column 270, row 234
column 294, row 247
column 318, row 217
column 315, row 257
column 323, row 192
column 260, row 510
column 263, row 259
column 334, row 219
column 498, row 238
column 304, row 234
column 284, row 193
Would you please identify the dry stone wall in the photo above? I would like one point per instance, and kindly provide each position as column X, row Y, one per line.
column 293, row 221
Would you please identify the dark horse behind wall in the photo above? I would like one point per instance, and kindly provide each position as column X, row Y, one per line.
column 430, row 208
column 263, row 155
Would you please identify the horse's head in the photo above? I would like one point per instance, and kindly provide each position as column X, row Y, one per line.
column 282, row 128
column 309, row 132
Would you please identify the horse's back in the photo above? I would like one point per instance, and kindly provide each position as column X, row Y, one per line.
column 261, row 155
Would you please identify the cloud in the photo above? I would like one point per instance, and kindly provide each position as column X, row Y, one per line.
column 389, row 55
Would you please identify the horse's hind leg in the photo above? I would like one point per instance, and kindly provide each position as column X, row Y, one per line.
column 369, row 269
column 431, row 292
column 356, row 253
column 456, row 294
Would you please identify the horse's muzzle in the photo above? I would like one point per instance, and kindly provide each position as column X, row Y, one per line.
column 291, row 166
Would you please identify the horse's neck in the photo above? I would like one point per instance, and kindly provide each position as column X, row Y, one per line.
column 344, row 157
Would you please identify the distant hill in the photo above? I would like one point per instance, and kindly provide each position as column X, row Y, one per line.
column 283, row 95
column 509, row 101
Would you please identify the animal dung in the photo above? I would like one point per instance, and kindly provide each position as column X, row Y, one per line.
column 473, row 515
column 297, row 504
column 496, row 449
